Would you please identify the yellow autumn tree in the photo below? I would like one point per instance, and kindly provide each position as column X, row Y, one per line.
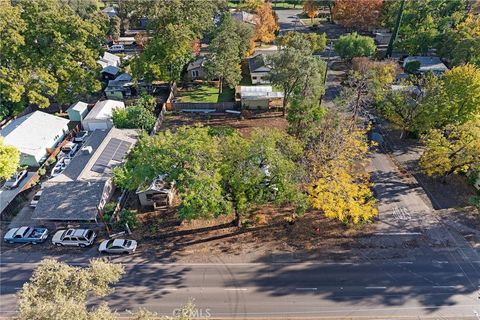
column 311, row 9
column 343, row 196
column 250, row 5
column 340, row 187
column 265, row 24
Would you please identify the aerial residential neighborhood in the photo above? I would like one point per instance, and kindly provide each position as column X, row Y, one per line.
column 239, row 159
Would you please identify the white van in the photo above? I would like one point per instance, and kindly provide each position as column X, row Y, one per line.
column 116, row 48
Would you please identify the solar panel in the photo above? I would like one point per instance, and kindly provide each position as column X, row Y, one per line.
column 115, row 150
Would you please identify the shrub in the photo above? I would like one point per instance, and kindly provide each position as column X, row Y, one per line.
column 475, row 201
column 354, row 45
column 412, row 67
column 128, row 217
column 42, row 172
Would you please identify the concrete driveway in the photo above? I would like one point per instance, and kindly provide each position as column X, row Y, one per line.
column 6, row 196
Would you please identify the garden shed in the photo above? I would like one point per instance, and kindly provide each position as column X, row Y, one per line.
column 77, row 111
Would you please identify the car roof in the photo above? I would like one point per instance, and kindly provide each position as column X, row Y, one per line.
column 21, row 230
column 118, row 242
column 76, row 232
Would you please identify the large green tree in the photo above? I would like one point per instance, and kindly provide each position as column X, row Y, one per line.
column 189, row 156
column 229, row 45
column 58, row 291
column 293, row 68
column 461, row 44
column 354, row 45
column 48, row 55
column 453, row 149
column 138, row 116
column 9, row 160
column 262, row 169
column 423, row 21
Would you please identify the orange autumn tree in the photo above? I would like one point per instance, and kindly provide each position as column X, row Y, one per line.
column 362, row 14
column 311, row 9
column 265, row 23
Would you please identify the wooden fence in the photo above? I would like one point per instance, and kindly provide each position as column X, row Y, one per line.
column 218, row 106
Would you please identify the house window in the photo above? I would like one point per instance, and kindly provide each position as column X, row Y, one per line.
column 254, row 78
column 194, row 73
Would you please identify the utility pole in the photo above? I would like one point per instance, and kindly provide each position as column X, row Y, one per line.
column 395, row 30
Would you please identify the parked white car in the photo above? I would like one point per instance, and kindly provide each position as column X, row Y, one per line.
column 15, row 180
column 35, row 199
column 116, row 48
column 60, row 166
column 74, row 237
column 68, row 150
column 81, row 136
column 118, row 246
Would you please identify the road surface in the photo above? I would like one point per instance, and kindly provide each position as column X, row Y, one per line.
column 386, row 289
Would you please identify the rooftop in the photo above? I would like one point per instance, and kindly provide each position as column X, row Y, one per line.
column 78, row 106
column 103, row 109
column 32, row 132
column 110, row 69
column 76, row 193
column 427, row 63
column 258, row 92
column 258, row 63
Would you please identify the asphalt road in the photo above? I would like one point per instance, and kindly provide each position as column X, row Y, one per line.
column 288, row 21
column 387, row 289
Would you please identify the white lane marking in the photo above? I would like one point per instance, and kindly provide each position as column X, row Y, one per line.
column 444, row 287
column 405, row 262
column 439, row 262
column 306, row 289
column 235, row 289
column 375, row 287
column 169, row 289
column 398, row 233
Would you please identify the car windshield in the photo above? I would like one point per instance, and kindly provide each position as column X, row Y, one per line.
column 110, row 243
column 89, row 234
column 36, row 198
column 127, row 243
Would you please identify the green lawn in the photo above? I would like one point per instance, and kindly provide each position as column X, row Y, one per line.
column 275, row 5
column 205, row 93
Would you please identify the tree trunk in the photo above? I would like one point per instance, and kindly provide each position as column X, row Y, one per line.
column 395, row 30
column 237, row 221
column 284, row 105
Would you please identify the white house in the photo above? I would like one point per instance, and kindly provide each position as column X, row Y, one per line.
column 34, row 135
column 259, row 68
column 109, row 59
column 100, row 117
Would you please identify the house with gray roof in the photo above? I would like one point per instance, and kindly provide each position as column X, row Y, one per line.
column 196, row 70
column 427, row 64
column 85, row 186
column 259, row 68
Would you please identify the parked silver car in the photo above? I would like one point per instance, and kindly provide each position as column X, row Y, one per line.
column 15, row 180
column 80, row 136
column 118, row 246
column 74, row 237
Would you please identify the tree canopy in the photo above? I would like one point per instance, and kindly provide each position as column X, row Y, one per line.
column 59, row 291
column 360, row 14
column 423, row 21
column 461, row 44
column 138, row 116
column 49, row 54
column 452, row 149
column 265, row 23
column 9, row 160
column 230, row 44
column 318, row 42
column 354, row 45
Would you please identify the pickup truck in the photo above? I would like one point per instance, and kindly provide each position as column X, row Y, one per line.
column 31, row 235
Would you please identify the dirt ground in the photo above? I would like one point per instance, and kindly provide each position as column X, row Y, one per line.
column 266, row 233
column 244, row 124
